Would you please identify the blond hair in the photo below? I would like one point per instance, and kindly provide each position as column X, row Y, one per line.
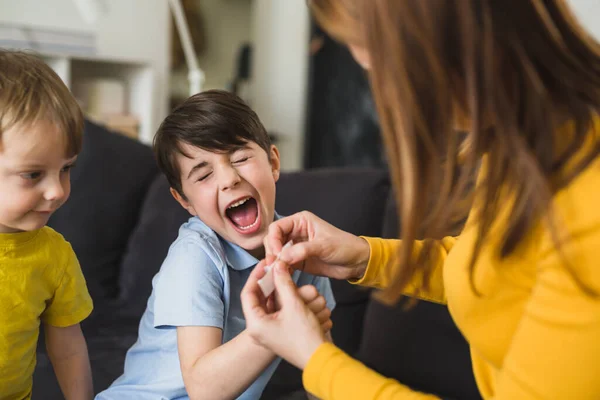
column 30, row 91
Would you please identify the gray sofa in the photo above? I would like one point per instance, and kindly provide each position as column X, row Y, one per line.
column 121, row 220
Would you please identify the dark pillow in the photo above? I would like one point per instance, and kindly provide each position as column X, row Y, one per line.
column 391, row 226
column 352, row 199
column 160, row 219
column 420, row 347
column 108, row 186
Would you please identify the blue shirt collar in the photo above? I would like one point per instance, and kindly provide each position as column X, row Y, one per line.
column 238, row 258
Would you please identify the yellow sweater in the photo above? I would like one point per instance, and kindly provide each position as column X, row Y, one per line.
column 533, row 332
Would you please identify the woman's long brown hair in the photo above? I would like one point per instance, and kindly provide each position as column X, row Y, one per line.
column 517, row 70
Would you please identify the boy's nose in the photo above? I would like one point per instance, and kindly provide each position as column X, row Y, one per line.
column 229, row 178
column 54, row 191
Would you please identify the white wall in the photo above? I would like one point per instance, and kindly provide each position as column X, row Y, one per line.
column 131, row 29
column 280, row 35
column 226, row 27
column 280, row 67
column 279, row 30
column 55, row 14
column 588, row 12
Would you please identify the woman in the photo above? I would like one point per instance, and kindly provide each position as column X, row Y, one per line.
column 522, row 281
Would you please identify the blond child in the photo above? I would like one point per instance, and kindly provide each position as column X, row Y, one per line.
column 40, row 278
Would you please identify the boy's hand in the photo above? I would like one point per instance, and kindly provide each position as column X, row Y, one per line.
column 317, row 304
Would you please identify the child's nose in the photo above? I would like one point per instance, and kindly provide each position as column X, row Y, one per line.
column 54, row 191
column 229, row 178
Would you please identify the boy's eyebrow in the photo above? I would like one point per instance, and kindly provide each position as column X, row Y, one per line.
column 72, row 159
column 36, row 165
column 196, row 167
column 30, row 166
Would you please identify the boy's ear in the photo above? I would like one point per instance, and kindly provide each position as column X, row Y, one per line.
column 181, row 200
column 275, row 162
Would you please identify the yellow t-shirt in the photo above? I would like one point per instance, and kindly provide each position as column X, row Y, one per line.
column 40, row 280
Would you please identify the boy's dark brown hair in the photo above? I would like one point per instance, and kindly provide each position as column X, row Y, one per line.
column 214, row 120
column 30, row 91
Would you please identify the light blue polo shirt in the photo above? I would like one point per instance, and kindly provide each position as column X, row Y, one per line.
column 199, row 284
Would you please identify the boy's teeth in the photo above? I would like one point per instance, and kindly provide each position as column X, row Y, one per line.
column 238, row 203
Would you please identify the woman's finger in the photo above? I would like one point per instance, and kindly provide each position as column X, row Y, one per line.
column 278, row 234
column 299, row 252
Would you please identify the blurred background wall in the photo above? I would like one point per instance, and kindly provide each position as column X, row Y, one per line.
column 123, row 60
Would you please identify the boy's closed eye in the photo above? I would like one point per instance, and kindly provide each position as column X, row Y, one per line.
column 241, row 160
column 203, row 177
column 242, row 155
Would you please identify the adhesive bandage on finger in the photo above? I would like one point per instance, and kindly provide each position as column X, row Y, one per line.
column 266, row 283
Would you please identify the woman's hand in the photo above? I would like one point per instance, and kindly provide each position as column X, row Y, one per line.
column 293, row 332
column 319, row 248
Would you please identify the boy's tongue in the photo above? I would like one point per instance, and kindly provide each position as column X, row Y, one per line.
column 244, row 215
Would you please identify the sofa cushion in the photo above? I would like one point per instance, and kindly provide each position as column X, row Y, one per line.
column 420, row 347
column 160, row 219
column 390, row 226
column 350, row 198
column 108, row 339
column 109, row 184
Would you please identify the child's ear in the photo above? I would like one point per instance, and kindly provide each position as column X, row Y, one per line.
column 275, row 162
column 181, row 200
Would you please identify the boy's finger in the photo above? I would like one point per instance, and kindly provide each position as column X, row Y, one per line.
column 327, row 325
column 317, row 304
column 324, row 315
column 308, row 293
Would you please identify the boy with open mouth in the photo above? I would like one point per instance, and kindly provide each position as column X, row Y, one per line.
column 222, row 168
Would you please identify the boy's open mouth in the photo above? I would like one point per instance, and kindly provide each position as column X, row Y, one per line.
column 244, row 215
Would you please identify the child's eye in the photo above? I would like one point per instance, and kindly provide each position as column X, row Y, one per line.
column 203, row 177
column 241, row 160
column 31, row 176
column 67, row 168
